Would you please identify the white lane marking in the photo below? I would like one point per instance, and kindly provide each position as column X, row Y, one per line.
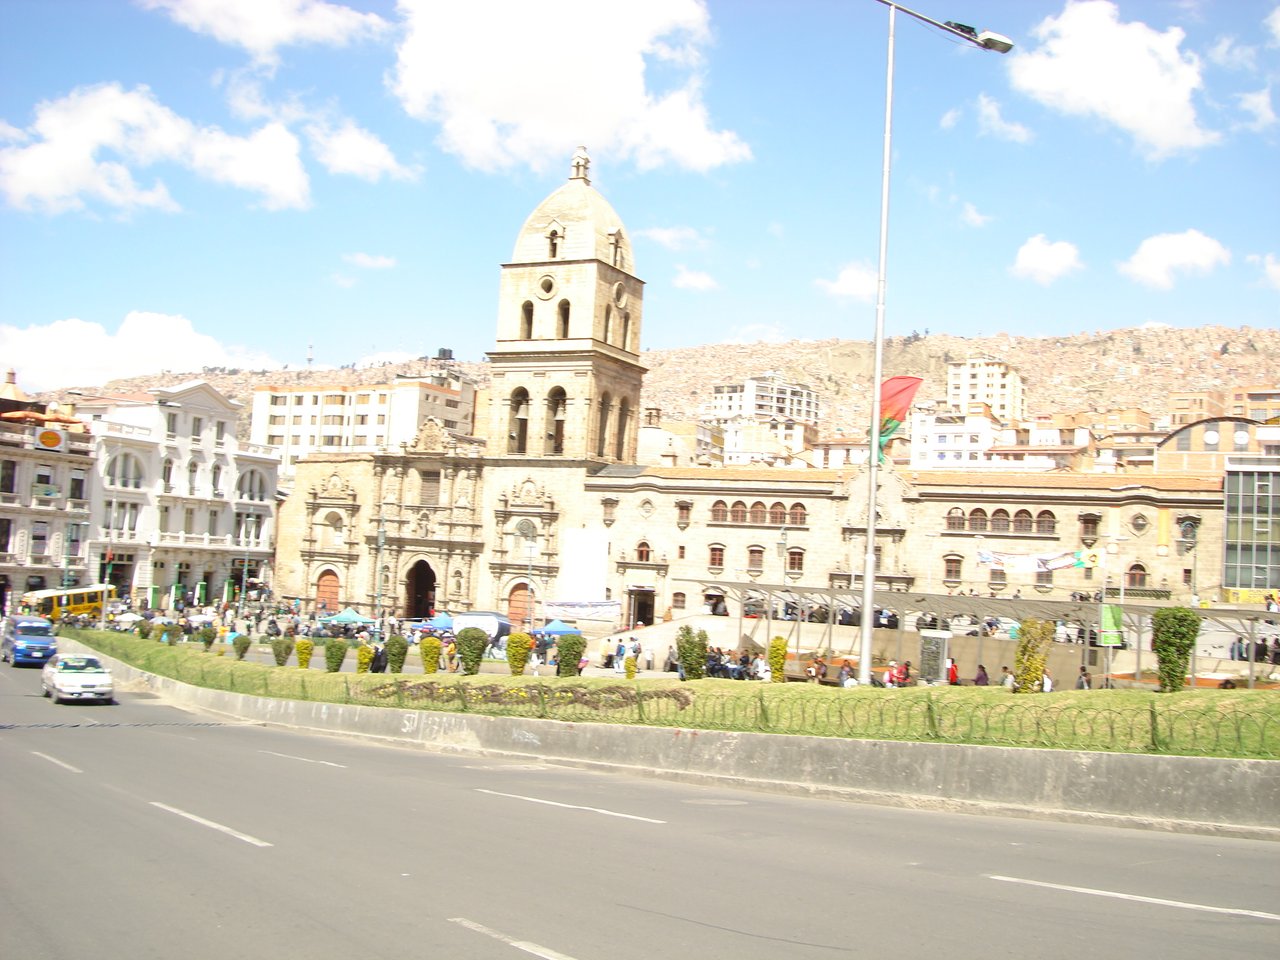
column 212, row 825
column 1204, row 908
column 570, row 806
column 538, row 951
column 64, row 766
column 289, row 756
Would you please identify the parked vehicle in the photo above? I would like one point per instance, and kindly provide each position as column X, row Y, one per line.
column 27, row 640
column 77, row 677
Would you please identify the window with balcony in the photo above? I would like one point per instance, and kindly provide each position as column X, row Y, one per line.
column 719, row 512
column 193, row 473
column 683, row 512
column 197, row 428
column 8, row 476
column 1000, row 521
column 798, row 517
column 978, row 521
column 955, row 519
column 643, row 552
column 1046, row 523
column 778, row 515
column 76, row 490
column 738, row 512
column 1022, row 522
column 759, row 513
column 1135, row 578
column 39, row 539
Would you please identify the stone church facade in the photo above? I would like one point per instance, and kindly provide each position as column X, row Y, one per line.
column 547, row 506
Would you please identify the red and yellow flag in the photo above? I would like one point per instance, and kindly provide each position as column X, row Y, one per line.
column 896, row 395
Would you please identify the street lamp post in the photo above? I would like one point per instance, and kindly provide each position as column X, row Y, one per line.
column 987, row 41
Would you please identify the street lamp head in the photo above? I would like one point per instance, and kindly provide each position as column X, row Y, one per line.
column 995, row 41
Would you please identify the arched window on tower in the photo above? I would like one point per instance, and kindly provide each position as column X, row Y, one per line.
column 526, row 320
column 620, row 438
column 556, row 404
column 608, row 322
column 602, row 424
column 553, row 244
column 562, row 320
column 625, row 344
column 518, row 422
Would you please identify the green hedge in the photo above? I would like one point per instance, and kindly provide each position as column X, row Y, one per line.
column 1224, row 723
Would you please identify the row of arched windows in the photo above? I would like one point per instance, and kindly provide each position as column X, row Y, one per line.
column 125, row 470
column 525, row 422
column 615, row 325
column 777, row 515
column 1043, row 523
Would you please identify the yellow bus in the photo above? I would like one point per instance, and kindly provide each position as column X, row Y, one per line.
column 88, row 601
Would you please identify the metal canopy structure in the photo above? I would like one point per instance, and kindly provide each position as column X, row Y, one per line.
column 811, row 613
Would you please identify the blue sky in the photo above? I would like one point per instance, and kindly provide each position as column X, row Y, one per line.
column 190, row 183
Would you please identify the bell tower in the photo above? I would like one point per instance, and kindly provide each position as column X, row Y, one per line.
column 566, row 371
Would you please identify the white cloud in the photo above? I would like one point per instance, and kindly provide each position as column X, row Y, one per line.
column 353, row 150
column 858, row 281
column 84, row 148
column 1230, row 55
column 970, row 215
column 1043, row 261
column 1090, row 64
column 1272, row 23
column 687, row 279
column 501, row 100
column 262, row 26
column 950, row 119
column 675, row 238
column 342, row 280
column 990, row 123
column 370, row 261
column 1258, row 106
column 1158, row 259
column 144, row 343
column 1270, row 264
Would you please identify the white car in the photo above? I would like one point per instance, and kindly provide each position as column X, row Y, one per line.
column 73, row 676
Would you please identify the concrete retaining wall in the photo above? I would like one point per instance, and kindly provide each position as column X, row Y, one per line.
column 1193, row 794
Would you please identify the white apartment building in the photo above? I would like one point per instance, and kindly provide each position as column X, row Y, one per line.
column 986, row 380
column 954, row 440
column 678, row 443
column 181, row 509
column 763, row 397
column 364, row 418
column 765, row 420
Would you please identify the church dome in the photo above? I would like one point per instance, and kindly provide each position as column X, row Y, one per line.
column 575, row 223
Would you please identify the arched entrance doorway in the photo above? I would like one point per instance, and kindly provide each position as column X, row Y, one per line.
column 520, row 607
column 420, row 591
column 327, row 593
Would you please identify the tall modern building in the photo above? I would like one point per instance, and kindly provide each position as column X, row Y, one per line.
column 986, row 380
column 299, row 420
column 765, row 420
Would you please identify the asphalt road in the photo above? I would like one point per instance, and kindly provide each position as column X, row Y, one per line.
column 139, row 830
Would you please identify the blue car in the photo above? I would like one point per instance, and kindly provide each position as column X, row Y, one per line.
column 27, row 640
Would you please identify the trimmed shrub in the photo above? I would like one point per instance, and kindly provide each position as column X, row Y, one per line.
column 305, row 647
column 281, row 649
column 573, row 646
column 778, row 659
column 519, row 646
column 364, row 657
column 1035, row 637
column 242, row 645
column 207, row 635
column 171, row 633
column 144, row 629
column 397, row 648
column 429, row 647
column 1173, row 635
column 630, row 666
column 335, row 651
column 471, row 646
column 693, row 652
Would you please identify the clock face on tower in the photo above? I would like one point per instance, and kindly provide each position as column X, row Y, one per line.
column 620, row 294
